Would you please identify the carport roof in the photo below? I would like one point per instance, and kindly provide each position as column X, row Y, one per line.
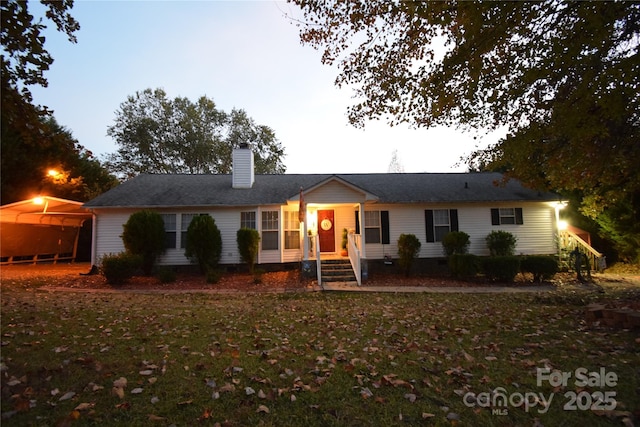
column 45, row 210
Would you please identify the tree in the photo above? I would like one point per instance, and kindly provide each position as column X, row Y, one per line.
column 156, row 134
column 24, row 62
column 248, row 241
column 56, row 165
column 395, row 166
column 204, row 242
column 564, row 77
column 143, row 235
column 32, row 142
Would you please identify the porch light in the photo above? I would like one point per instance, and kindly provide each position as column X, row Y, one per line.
column 38, row 200
column 562, row 225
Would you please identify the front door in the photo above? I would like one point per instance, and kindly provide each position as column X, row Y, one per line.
column 326, row 232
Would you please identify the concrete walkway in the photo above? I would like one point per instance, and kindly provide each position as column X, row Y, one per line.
column 341, row 287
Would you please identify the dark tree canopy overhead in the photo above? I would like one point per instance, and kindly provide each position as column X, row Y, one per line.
column 156, row 134
column 564, row 77
column 32, row 142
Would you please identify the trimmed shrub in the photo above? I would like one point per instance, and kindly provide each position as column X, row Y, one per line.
column 166, row 275
column 501, row 243
column 144, row 235
column 464, row 265
column 248, row 241
column 543, row 267
column 408, row 249
column 118, row 268
column 501, row 268
column 204, row 243
column 214, row 275
column 455, row 242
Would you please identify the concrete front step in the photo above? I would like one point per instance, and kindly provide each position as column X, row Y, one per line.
column 336, row 270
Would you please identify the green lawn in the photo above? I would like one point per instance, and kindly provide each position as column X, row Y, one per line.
column 309, row 359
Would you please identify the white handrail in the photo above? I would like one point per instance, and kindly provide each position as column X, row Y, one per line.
column 318, row 262
column 354, row 256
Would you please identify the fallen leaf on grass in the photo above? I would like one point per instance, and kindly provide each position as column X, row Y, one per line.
column 118, row 391
column 84, row 406
column 68, row 395
column 410, row 397
column 205, row 415
column 262, row 409
column 152, row 417
column 120, row 382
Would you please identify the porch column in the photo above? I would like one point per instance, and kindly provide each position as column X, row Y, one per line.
column 363, row 251
column 305, row 240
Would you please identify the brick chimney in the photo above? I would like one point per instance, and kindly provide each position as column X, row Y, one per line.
column 242, row 170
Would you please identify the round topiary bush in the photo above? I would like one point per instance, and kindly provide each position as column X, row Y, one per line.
column 118, row 268
column 144, row 235
column 455, row 242
column 204, row 243
column 501, row 243
column 248, row 241
column 408, row 249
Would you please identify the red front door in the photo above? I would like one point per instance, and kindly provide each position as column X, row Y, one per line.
column 326, row 232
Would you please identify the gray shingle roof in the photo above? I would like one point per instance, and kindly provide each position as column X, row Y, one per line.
column 215, row 190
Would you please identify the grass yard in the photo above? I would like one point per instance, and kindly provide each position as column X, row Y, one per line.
column 313, row 359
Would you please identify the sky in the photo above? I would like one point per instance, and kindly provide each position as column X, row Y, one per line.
column 241, row 54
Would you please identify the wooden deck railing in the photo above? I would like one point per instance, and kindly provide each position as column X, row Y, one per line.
column 570, row 241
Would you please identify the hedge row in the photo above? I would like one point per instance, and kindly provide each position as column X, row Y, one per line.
column 503, row 268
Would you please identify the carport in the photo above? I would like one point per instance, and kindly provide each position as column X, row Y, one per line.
column 43, row 229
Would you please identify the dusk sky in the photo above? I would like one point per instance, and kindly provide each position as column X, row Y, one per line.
column 242, row 54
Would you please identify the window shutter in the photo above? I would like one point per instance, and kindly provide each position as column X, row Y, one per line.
column 357, row 222
column 495, row 216
column 428, row 215
column 519, row 218
column 453, row 219
column 384, row 224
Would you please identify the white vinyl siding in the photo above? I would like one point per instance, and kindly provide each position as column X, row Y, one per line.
column 535, row 236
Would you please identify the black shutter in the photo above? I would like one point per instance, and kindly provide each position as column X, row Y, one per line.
column 495, row 216
column 519, row 218
column 357, row 222
column 428, row 215
column 384, row 223
column 453, row 218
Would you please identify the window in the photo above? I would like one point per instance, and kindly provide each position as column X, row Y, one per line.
column 506, row 216
column 439, row 222
column 269, row 236
column 248, row 220
column 372, row 226
column 170, row 231
column 291, row 230
column 379, row 233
